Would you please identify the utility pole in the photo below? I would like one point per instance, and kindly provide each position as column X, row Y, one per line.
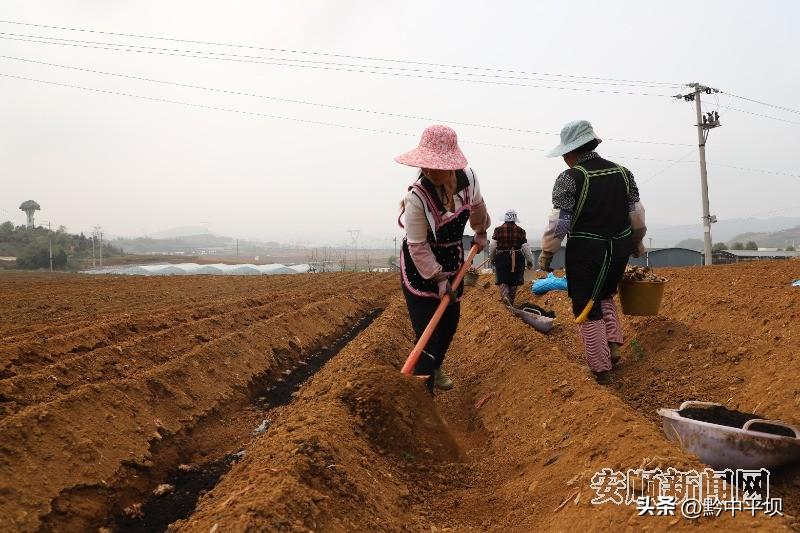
column 354, row 233
column 98, row 234
column 93, row 262
column 705, row 123
column 50, row 244
column 237, row 247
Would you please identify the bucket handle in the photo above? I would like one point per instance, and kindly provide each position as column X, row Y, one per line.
column 693, row 403
column 771, row 423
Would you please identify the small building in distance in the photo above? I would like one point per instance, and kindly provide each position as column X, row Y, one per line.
column 669, row 257
column 725, row 257
column 656, row 258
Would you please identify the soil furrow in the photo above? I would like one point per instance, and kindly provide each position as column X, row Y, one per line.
column 101, row 435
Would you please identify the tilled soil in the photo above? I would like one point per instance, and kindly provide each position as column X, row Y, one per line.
column 108, row 383
column 512, row 447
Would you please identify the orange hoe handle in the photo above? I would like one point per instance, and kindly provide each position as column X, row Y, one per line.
column 413, row 357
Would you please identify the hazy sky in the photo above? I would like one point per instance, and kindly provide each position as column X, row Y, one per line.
column 138, row 166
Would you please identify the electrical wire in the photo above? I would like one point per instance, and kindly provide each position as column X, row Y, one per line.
column 679, row 160
column 759, row 115
column 315, row 104
column 357, row 68
column 330, row 124
column 58, row 40
column 782, row 108
column 341, row 56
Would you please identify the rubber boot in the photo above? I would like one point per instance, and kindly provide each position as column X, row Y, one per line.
column 603, row 378
column 616, row 357
column 442, row 380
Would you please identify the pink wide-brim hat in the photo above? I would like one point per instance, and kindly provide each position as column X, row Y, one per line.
column 438, row 149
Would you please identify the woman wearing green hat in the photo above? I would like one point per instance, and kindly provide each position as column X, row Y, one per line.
column 596, row 203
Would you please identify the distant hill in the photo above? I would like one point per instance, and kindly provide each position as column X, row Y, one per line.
column 690, row 244
column 775, row 239
column 723, row 231
column 183, row 231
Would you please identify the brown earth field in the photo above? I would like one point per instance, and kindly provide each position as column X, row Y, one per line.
column 113, row 386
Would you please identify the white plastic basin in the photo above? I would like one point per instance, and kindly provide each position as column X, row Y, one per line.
column 727, row 447
column 533, row 318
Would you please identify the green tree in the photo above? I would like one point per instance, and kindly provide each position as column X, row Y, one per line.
column 790, row 249
column 751, row 245
column 737, row 246
column 718, row 247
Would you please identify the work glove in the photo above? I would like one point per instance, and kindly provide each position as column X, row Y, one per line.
column 481, row 240
column 639, row 250
column 445, row 289
column 545, row 258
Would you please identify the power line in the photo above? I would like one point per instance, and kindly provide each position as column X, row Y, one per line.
column 782, row 108
column 59, row 40
column 316, row 104
column 672, row 164
column 363, row 69
column 323, row 123
column 757, row 170
column 342, row 56
column 758, row 114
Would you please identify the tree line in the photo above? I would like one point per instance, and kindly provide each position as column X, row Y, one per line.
column 31, row 247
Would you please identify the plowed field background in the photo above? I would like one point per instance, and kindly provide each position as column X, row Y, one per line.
column 108, row 384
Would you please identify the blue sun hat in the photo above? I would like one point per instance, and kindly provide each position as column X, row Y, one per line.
column 574, row 135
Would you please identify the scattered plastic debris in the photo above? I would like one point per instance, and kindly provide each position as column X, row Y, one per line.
column 550, row 283
column 164, row 488
column 796, row 283
column 262, row 427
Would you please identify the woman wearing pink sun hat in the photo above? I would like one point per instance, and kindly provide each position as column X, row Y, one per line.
column 444, row 197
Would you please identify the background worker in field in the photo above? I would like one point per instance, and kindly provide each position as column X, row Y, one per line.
column 444, row 197
column 595, row 202
column 510, row 253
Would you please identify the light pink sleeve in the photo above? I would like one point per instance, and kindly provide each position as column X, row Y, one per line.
column 550, row 240
column 479, row 219
column 415, row 222
column 424, row 260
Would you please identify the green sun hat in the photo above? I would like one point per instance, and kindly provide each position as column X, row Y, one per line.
column 574, row 135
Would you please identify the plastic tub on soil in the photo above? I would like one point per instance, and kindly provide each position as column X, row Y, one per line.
column 758, row 443
column 534, row 317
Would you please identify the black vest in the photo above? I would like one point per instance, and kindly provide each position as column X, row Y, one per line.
column 601, row 205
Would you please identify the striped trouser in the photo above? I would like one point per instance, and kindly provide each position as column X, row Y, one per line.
column 611, row 320
column 596, row 334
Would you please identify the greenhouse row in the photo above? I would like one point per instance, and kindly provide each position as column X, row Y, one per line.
column 217, row 269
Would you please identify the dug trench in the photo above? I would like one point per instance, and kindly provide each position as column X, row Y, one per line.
column 186, row 483
column 513, row 447
column 72, row 458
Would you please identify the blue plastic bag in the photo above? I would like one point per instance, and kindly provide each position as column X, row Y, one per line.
column 550, row 283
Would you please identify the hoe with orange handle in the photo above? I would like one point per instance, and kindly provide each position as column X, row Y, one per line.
column 413, row 357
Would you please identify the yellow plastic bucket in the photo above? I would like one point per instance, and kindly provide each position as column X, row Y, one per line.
column 641, row 298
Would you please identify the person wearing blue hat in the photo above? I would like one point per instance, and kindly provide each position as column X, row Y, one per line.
column 596, row 204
